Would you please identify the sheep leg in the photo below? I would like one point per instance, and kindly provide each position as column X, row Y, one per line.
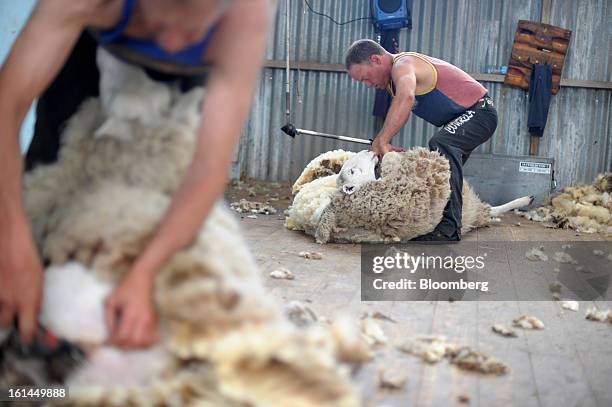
column 515, row 204
column 326, row 226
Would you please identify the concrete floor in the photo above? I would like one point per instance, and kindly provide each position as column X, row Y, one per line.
column 569, row 363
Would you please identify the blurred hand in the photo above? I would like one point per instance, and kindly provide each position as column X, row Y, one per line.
column 131, row 317
column 21, row 282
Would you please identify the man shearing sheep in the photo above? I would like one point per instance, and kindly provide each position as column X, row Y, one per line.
column 439, row 93
column 54, row 58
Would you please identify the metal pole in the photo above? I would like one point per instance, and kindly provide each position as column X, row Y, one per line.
column 287, row 71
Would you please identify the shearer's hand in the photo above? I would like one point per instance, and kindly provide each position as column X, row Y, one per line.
column 21, row 282
column 381, row 148
column 131, row 317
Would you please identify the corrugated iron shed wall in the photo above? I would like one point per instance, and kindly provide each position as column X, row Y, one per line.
column 472, row 34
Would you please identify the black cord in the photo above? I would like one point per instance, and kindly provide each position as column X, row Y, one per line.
column 332, row 19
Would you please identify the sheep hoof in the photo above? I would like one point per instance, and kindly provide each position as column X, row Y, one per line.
column 322, row 237
column 320, row 240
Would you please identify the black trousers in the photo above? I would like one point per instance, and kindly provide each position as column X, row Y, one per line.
column 456, row 140
column 78, row 80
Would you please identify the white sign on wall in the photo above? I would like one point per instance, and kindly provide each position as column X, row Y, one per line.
column 535, row 167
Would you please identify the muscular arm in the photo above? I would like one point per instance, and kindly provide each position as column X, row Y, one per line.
column 237, row 54
column 404, row 78
column 36, row 57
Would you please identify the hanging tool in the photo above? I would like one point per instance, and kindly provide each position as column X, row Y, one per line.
column 292, row 131
column 289, row 128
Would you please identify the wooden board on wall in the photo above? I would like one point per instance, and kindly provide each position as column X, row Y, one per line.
column 537, row 43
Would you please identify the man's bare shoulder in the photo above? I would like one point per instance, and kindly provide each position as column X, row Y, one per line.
column 414, row 64
column 403, row 65
column 88, row 12
column 405, row 58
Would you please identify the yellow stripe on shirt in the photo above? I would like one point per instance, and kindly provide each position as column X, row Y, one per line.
column 423, row 58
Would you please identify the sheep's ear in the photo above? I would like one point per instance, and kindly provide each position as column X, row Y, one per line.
column 348, row 189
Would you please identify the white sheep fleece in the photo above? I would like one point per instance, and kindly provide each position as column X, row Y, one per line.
column 328, row 163
column 72, row 287
column 314, row 197
column 586, row 208
column 73, row 307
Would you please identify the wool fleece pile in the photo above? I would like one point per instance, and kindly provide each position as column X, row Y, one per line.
column 586, row 208
column 223, row 341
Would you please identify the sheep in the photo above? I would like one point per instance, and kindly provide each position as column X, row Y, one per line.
column 224, row 341
column 406, row 201
column 584, row 208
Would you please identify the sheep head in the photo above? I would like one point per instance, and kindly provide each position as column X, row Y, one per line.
column 358, row 170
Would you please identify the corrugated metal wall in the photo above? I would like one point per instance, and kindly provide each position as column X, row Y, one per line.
column 472, row 34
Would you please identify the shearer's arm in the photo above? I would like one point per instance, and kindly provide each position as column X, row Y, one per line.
column 404, row 78
column 237, row 55
column 35, row 58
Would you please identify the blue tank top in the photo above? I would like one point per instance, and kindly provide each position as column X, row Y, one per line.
column 191, row 55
